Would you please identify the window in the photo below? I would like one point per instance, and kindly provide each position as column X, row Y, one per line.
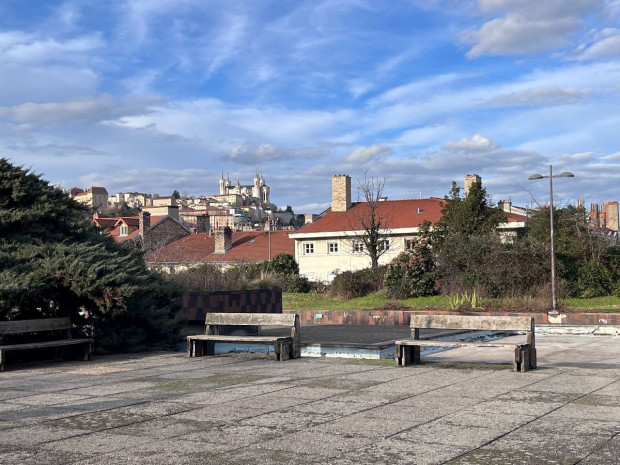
column 123, row 229
column 383, row 244
column 358, row 246
column 410, row 244
column 332, row 247
column 308, row 248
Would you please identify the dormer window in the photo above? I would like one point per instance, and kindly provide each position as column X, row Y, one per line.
column 124, row 230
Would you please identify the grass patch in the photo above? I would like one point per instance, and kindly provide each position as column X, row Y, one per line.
column 203, row 384
column 607, row 304
column 322, row 302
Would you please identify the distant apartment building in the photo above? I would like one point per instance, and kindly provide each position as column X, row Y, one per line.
column 96, row 198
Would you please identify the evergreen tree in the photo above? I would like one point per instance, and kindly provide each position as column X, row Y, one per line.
column 53, row 262
column 471, row 215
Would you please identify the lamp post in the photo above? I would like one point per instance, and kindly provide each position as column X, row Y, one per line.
column 565, row 174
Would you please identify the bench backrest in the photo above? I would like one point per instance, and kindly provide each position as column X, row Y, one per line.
column 482, row 322
column 214, row 322
column 251, row 319
column 34, row 326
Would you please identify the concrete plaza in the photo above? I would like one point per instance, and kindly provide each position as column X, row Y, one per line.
column 164, row 408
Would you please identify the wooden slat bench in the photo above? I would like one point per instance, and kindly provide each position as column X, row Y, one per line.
column 284, row 347
column 408, row 351
column 82, row 348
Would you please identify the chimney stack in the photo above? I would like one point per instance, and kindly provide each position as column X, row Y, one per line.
column 145, row 229
column 223, row 240
column 202, row 224
column 341, row 193
column 611, row 215
column 470, row 180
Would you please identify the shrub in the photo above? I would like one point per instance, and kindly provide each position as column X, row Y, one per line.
column 296, row 283
column 351, row 284
column 410, row 274
column 594, row 280
column 284, row 264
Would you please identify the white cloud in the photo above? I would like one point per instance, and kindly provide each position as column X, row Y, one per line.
column 527, row 26
column 22, row 48
column 84, row 111
column 542, row 95
column 605, row 44
column 364, row 154
column 477, row 143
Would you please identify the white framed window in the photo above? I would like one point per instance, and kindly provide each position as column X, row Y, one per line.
column 410, row 243
column 332, row 247
column 124, row 230
column 308, row 248
column 358, row 246
column 383, row 244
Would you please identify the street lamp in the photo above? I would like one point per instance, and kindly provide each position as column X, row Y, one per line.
column 565, row 174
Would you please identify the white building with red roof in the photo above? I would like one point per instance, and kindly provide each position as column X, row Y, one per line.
column 333, row 244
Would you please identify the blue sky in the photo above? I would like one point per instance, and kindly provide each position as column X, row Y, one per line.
column 157, row 95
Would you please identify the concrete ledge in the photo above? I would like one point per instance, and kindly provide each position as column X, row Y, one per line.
column 401, row 317
column 595, row 330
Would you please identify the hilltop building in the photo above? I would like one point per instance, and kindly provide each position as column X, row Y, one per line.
column 96, row 198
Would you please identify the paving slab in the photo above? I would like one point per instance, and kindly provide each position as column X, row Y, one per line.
column 460, row 407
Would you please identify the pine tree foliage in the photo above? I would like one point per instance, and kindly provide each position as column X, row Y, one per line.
column 53, row 262
column 468, row 215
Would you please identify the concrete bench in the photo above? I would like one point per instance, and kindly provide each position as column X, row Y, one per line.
column 408, row 351
column 78, row 348
column 219, row 326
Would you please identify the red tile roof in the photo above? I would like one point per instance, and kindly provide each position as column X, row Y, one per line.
column 401, row 214
column 516, row 218
column 247, row 246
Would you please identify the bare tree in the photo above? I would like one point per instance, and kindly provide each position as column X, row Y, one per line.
column 373, row 220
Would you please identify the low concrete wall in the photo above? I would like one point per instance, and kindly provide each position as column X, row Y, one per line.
column 197, row 304
column 401, row 317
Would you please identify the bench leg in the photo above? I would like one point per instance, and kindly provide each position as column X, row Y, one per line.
column 406, row 355
column 195, row 348
column 283, row 351
column 1, row 360
column 533, row 362
column 522, row 358
column 296, row 350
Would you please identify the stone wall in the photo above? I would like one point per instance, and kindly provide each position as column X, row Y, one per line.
column 197, row 304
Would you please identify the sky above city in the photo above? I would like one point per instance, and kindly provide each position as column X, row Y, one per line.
column 157, row 95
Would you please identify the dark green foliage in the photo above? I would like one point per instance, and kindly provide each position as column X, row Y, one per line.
column 296, row 283
column 176, row 195
column 584, row 259
column 493, row 269
column 54, row 263
column 284, row 264
column 594, row 280
column 122, row 209
column 351, row 284
column 469, row 216
column 411, row 273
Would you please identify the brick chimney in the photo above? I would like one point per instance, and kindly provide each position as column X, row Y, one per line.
column 223, row 240
column 611, row 215
column 341, row 193
column 145, row 229
column 470, row 180
column 202, row 224
column 505, row 205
